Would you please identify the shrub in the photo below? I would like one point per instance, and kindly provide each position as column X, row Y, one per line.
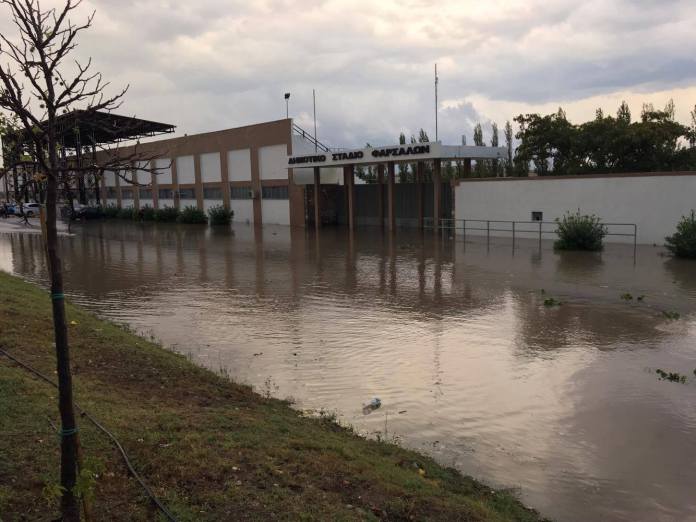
column 147, row 213
column 580, row 232
column 219, row 215
column 683, row 242
column 110, row 211
column 166, row 215
column 191, row 215
column 127, row 213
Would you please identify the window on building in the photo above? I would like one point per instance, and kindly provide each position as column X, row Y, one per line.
column 537, row 215
column 237, row 192
column 212, row 193
column 110, row 192
column 166, row 194
column 126, row 193
column 145, row 193
column 187, row 193
column 280, row 192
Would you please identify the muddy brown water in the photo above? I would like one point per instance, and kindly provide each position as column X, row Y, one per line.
column 560, row 403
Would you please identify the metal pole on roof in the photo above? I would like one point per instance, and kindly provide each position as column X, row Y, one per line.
column 314, row 103
column 436, row 82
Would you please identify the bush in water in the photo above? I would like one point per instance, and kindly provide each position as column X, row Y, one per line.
column 166, row 214
column 683, row 242
column 147, row 213
column 110, row 211
column 127, row 213
column 219, row 215
column 191, row 215
column 580, row 232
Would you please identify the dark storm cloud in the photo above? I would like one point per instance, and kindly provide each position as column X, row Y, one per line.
column 213, row 64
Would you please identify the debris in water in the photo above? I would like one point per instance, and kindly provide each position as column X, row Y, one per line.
column 673, row 316
column 627, row 297
column 371, row 406
column 671, row 376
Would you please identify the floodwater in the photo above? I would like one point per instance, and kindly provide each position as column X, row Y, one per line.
column 561, row 403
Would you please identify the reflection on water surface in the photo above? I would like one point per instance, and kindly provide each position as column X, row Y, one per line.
column 561, row 402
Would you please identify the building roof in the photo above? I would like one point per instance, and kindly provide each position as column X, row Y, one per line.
column 86, row 128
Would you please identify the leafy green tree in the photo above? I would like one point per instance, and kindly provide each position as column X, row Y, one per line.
column 624, row 113
column 509, row 166
column 404, row 174
column 495, row 164
column 480, row 168
column 366, row 173
column 606, row 144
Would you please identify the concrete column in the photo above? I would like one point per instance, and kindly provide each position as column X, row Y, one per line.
column 136, row 187
column 380, row 194
column 198, row 180
column 467, row 167
column 118, row 189
column 437, row 194
column 256, row 185
column 175, row 183
column 420, row 167
column 153, row 184
column 348, row 173
column 390, row 196
column 317, row 198
column 225, row 177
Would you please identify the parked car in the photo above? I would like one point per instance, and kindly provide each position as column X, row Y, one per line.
column 85, row 212
column 31, row 209
column 10, row 209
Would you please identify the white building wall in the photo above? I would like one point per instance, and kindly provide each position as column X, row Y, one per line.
column 239, row 165
column 165, row 203
column 164, row 171
column 110, row 179
column 243, row 210
column 654, row 203
column 147, row 203
column 273, row 161
column 275, row 211
column 210, row 167
column 183, row 203
column 210, row 203
column 184, row 170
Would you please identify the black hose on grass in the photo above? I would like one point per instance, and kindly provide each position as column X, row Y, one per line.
column 94, row 421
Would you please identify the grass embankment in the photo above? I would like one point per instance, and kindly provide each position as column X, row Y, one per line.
column 209, row 448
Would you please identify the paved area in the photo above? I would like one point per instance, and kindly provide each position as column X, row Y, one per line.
column 16, row 225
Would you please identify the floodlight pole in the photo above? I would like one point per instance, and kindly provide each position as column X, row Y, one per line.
column 314, row 103
column 436, row 82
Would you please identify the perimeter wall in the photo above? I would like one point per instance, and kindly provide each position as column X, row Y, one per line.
column 653, row 201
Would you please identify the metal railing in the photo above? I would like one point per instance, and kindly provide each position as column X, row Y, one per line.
column 307, row 136
column 516, row 228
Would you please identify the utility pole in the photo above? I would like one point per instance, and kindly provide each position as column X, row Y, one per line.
column 314, row 103
column 287, row 105
column 436, row 82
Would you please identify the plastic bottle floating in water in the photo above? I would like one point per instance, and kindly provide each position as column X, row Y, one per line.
column 371, row 406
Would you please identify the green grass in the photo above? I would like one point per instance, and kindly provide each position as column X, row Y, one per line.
column 209, row 448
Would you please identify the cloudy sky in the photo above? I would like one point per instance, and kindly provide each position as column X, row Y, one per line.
column 211, row 64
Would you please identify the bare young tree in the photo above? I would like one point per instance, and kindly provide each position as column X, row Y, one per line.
column 37, row 88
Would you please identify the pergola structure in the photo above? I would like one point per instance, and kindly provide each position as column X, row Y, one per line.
column 80, row 134
column 386, row 159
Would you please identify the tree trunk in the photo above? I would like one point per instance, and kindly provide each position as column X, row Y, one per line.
column 70, row 509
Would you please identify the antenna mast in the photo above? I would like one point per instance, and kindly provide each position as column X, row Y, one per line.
column 436, row 82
